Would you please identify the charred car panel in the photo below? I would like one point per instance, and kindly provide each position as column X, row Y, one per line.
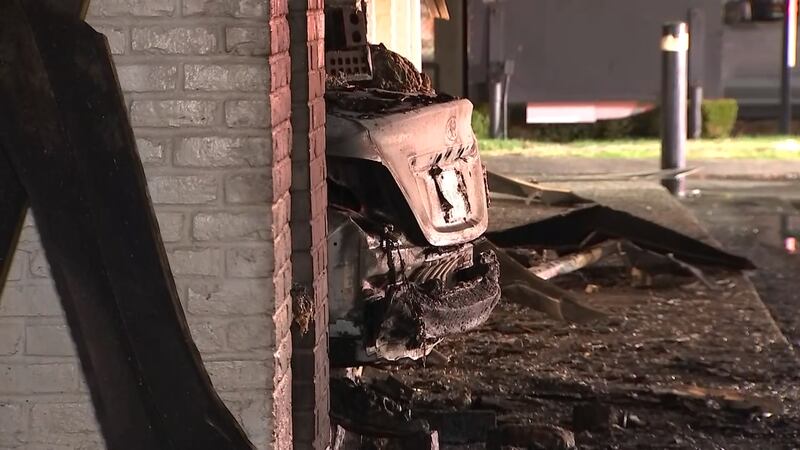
column 427, row 145
column 408, row 200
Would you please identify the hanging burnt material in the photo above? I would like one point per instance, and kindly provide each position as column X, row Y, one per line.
column 590, row 226
column 67, row 147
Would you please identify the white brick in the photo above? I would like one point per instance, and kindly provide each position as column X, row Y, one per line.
column 173, row 113
column 13, row 418
column 117, row 41
column 236, row 77
column 29, row 235
column 63, row 417
column 180, row 41
column 235, row 8
column 226, row 226
column 233, row 375
column 250, row 41
column 247, row 114
column 194, row 261
column 18, row 264
column 223, row 152
column 171, row 226
column 250, row 262
column 248, row 188
column 152, row 150
column 38, row 378
column 48, row 340
column 68, row 441
column 32, row 300
column 11, row 339
column 209, row 334
column 144, row 8
column 229, row 297
column 251, row 334
column 251, row 409
column 147, row 78
column 39, row 266
column 183, row 189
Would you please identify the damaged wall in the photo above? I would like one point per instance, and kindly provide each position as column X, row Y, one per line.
column 207, row 86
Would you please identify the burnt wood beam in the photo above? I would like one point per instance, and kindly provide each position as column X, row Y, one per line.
column 36, row 145
column 67, row 137
column 89, row 98
column 68, row 8
column 13, row 205
column 13, row 200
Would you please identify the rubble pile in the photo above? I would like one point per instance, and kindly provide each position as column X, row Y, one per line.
column 684, row 356
column 391, row 72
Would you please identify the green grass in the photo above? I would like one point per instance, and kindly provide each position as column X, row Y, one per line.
column 762, row 147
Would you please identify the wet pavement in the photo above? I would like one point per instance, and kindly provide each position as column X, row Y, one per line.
column 760, row 220
column 727, row 169
column 677, row 364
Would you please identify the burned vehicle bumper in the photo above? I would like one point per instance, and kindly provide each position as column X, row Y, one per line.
column 390, row 299
column 408, row 201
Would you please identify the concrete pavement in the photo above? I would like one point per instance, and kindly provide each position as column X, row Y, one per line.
column 721, row 168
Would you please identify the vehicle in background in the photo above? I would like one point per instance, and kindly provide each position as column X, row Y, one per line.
column 767, row 10
column 738, row 11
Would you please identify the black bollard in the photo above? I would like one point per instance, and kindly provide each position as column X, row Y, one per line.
column 697, row 61
column 695, row 112
column 496, row 108
column 674, row 46
column 788, row 61
column 496, row 76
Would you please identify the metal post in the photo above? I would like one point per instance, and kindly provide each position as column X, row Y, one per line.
column 508, row 70
column 674, row 46
column 695, row 112
column 496, row 108
column 788, row 61
column 697, row 61
column 496, row 59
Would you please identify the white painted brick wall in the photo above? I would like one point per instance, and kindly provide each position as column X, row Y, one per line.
column 197, row 81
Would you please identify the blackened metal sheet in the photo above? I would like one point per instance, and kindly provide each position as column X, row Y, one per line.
column 67, row 137
column 547, row 195
column 589, row 226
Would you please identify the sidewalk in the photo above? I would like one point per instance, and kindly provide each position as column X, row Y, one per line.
column 719, row 168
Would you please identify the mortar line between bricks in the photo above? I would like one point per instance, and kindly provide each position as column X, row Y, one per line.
column 213, row 59
column 189, row 132
column 177, row 22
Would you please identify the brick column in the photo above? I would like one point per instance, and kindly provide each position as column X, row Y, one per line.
column 281, row 110
column 309, row 223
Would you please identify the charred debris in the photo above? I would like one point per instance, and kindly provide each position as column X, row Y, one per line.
column 383, row 413
column 418, row 268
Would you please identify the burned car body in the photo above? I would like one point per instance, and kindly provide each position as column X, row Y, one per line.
column 408, row 199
